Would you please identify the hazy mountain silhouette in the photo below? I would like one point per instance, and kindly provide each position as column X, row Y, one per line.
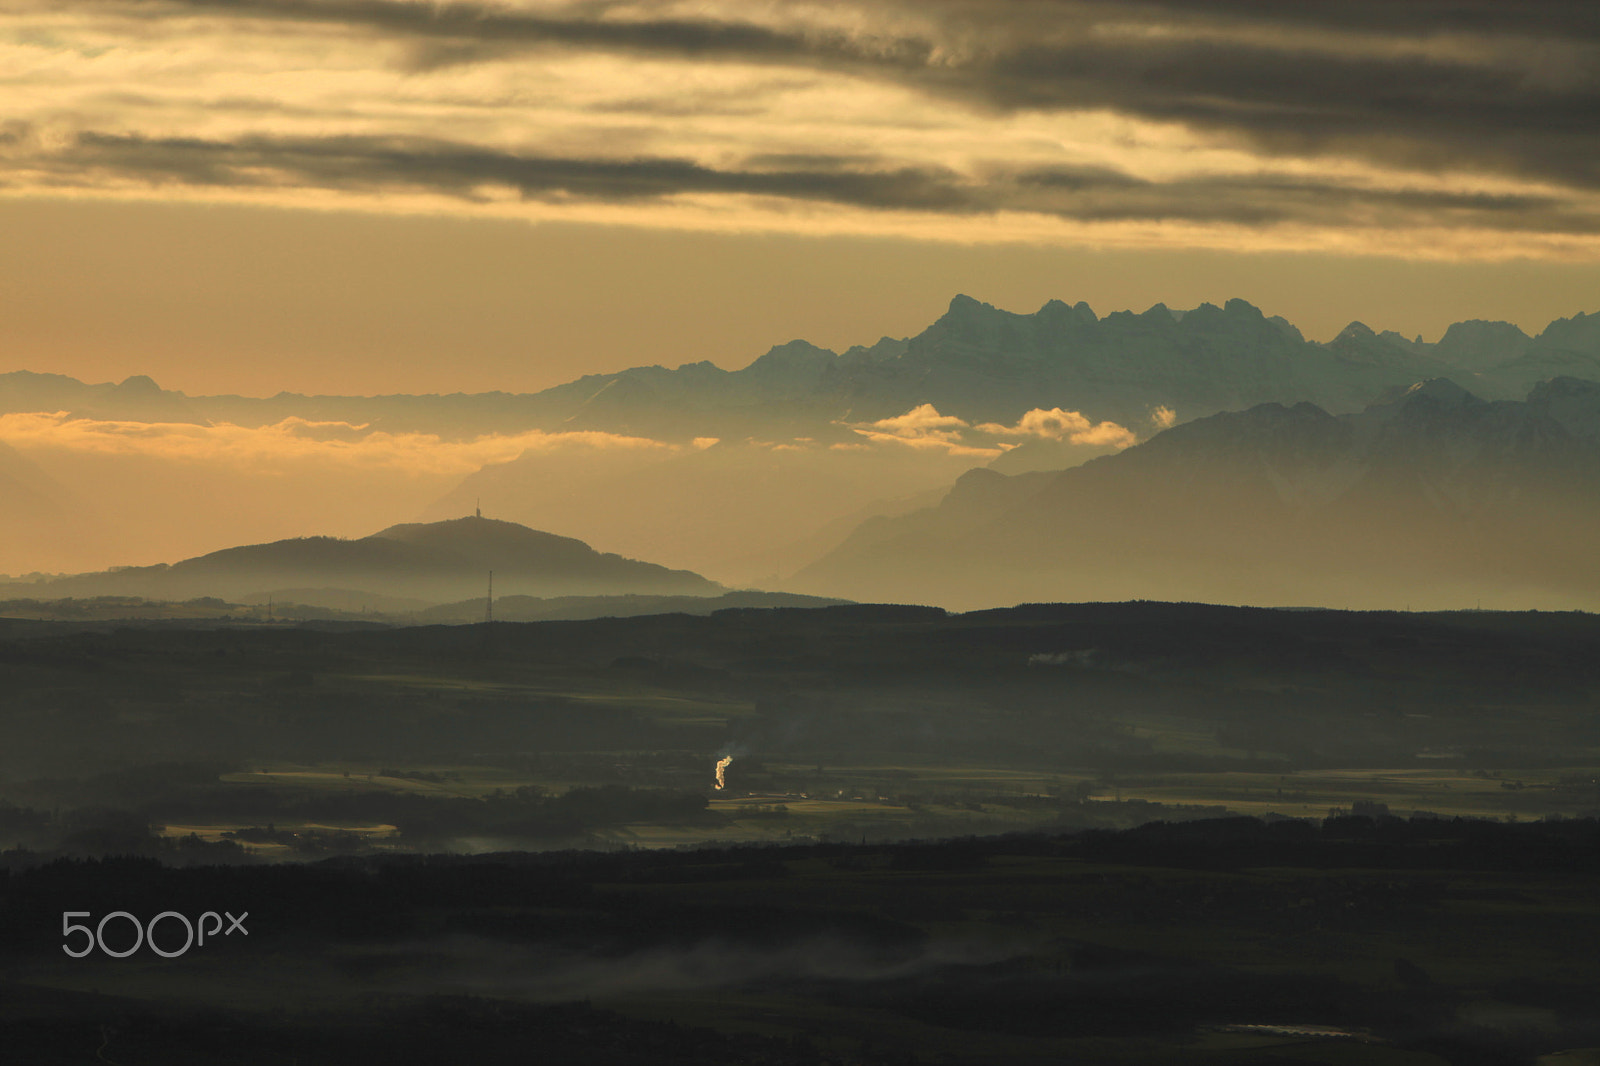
column 748, row 509
column 793, row 457
column 976, row 361
column 435, row 562
column 1434, row 497
column 983, row 363
column 135, row 399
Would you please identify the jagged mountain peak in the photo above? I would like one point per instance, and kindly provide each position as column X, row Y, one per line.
column 1474, row 329
column 1563, row 388
column 1355, row 331
column 792, row 354
column 1062, row 312
column 977, row 361
column 1581, row 332
column 961, row 303
column 1572, row 402
column 1440, row 391
column 1265, row 427
column 138, row 385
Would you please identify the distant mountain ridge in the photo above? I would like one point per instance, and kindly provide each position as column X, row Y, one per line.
column 746, row 475
column 1433, row 497
column 434, row 562
column 975, row 361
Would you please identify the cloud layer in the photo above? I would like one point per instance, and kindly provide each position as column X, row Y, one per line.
column 1438, row 128
column 738, row 509
column 299, row 446
column 924, row 427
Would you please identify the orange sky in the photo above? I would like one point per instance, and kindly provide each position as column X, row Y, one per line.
column 325, row 195
column 254, row 300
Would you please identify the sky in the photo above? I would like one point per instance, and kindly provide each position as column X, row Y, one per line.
column 375, row 196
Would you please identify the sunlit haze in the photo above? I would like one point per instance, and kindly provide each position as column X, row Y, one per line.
column 389, row 198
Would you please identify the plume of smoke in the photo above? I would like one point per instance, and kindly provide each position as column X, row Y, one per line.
column 722, row 765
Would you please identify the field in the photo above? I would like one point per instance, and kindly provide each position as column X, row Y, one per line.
column 967, row 839
column 1176, row 947
column 928, row 796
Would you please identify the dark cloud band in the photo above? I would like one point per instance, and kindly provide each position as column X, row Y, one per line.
column 390, row 164
column 1509, row 108
column 377, row 165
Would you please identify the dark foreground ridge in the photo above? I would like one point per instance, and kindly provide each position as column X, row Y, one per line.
column 1222, row 941
column 1104, row 688
column 1081, row 901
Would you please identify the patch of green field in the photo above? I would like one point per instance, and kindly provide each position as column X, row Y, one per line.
column 1287, row 1047
column 1352, row 1053
column 842, row 1030
column 435, row 683
column 335, row 780
column 668, row 708
column 906, row 771
column 459, row 780
column 1587, row 1056
column 907, row 795
column 1172, row 734
column 373, row 835
column 1312, row 793
column 673, row 836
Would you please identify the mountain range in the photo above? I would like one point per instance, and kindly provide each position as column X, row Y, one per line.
column 749, row 511
column 745, row 475
column 1433, row 497
column 976, row 361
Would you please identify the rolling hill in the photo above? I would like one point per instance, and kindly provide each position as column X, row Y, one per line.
column 435, row 562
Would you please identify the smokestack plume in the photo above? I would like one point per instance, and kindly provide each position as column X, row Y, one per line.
column 722, row 764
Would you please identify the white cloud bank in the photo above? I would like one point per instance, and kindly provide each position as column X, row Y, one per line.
column 297, row 443
column 924, row 427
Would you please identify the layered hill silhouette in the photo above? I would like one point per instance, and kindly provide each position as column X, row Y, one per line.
column 743, row 475
column 435, row 562
column 751, row 511
column 1433, row 497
